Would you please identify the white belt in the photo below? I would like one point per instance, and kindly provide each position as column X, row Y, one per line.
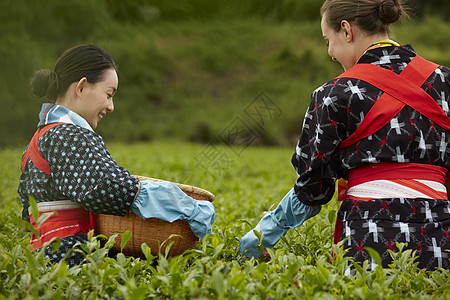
column 378, row 189
column 56, row 205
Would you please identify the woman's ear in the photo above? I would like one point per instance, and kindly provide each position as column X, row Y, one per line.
column 81, row 85
column 347, row 30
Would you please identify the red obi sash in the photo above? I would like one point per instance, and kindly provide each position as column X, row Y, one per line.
column 396, row 171
column 406, row 91
column 67, row 221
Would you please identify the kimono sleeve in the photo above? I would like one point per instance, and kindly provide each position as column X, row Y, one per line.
column 84, row 171
column 316, row 157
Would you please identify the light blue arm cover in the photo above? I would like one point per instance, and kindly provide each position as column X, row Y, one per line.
column 289, row 213
column 167, row 202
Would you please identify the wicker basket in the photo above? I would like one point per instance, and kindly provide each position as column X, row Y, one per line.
column 152, row 231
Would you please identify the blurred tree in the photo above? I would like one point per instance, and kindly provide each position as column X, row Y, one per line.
column 157, row 58
column 421, row 8
column 180, row 10
column 136, row 11
column 32, row 34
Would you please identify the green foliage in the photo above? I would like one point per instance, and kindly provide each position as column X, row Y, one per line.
column 187, row 67
column 182, row 10
column 303, row 265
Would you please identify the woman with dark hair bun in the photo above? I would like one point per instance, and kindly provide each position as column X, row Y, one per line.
column 379, row 132
column 66, row 167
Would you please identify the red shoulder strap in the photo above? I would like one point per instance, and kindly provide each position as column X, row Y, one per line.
column 33, row 150
column 406, row 91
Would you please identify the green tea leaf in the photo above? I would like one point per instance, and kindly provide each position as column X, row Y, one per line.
column 34, row 208
column 121, row 259
column 25, row 224
column 125, row 237
column 99, row 255
column 111, row 241
column 44, row 217
column 218, row 283
column 332, row 216
column 374, row 254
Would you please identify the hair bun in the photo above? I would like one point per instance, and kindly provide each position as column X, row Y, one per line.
column 44, row 84
column 389, row 11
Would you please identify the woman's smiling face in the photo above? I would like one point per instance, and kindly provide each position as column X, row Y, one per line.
column 97, row 98
column 339, row 47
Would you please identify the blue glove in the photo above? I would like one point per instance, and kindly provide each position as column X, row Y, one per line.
column 290, row 213
column 167, row 202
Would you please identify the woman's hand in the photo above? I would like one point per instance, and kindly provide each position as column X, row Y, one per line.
column 290, row 213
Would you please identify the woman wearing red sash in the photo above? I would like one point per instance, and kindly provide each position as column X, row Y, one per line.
column 67, row 169
column 382, row 125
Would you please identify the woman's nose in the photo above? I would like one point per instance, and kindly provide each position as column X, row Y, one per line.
column 110, row 107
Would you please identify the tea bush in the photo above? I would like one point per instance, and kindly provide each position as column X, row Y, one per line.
column 181, row 62
column 301, row 266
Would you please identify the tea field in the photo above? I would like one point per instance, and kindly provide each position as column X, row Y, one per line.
column 246, row 182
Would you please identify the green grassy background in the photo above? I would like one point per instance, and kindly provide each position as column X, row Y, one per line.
column 188, row 67
column 252, row 181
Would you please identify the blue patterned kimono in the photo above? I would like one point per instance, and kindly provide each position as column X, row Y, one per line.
column 82, row 170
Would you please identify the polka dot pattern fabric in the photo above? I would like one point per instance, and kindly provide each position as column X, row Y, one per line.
column 67, row 243
column 82, row 170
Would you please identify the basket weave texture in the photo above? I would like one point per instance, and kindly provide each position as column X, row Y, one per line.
column 152, row 231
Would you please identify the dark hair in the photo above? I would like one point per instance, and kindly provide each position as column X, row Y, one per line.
column 372, row 16
column 75, row 63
